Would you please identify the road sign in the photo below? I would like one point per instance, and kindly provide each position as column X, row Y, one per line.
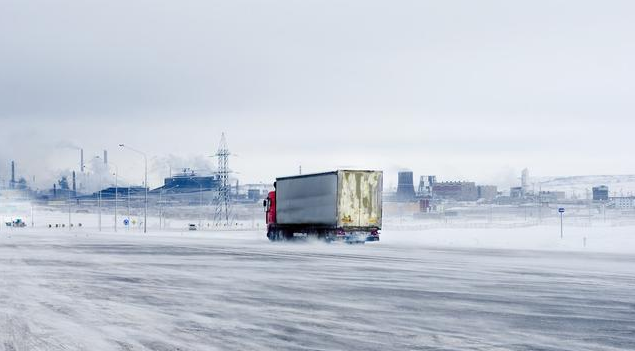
column 561, row 210
column 126, row 221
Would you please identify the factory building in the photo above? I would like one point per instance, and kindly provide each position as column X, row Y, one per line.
column 516, row 192
column 188, row 181
column 524, row 180
column 600, row 193
column 405, row 186
column 551, row 196
column 425, row 185
column 459, row 191
column 487, row 192
column 623, row 202
column 122, row 192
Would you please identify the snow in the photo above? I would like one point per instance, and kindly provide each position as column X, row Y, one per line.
column 608, row 239
column 437, row 289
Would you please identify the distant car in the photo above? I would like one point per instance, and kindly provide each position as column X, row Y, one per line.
column 192, row 226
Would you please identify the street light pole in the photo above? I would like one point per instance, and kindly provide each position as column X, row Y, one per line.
column 160, row 210
column 69, row 211
column 161, row 192
column 200, row 202
column 561, row 210
column 128, row 193
column 99, row 197
column 561, row 229
column 99, row 202
column 145, row 159
column 116, row 192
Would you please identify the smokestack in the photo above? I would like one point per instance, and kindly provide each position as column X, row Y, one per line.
column 12, row 175
column 405, row 186
column 105, row 157
column 74, row 186
column 81, row 160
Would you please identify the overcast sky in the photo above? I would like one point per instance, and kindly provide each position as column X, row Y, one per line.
column 461, row 89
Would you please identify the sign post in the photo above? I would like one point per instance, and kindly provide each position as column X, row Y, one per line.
column 561, row 210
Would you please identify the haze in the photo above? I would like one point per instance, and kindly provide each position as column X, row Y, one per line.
column 463, row 89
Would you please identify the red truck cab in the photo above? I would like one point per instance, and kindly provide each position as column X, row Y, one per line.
column 270, row 207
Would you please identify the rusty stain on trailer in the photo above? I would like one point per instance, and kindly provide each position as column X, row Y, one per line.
column 360, row 198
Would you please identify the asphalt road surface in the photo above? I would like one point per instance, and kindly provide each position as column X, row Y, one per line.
column 236, row 291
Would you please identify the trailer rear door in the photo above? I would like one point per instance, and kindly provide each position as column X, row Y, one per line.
column 360, row 199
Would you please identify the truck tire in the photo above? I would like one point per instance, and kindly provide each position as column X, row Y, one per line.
column 276, row 235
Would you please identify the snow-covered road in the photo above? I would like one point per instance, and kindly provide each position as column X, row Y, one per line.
column 236, row 291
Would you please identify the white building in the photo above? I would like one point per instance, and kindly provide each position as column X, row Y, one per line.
column 626, row 202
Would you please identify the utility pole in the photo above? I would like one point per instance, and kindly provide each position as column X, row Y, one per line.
column 99, row 198
column 223, row 206
column 116, row 194
column 200, row 202
column 128, row 226
column 69, row 211
column 561, row 210
column 116, row 174
column 145, row 185
column 160, row 210
column 99, row 202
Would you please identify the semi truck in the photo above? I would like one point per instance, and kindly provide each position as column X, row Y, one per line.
column 341, row 205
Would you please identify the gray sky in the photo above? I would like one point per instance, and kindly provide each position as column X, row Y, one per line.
column 462, row 89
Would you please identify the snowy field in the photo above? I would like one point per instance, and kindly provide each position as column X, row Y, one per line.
column 430, row 290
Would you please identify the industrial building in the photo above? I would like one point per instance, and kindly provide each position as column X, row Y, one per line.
column 188, row 181
column 122, row 192
column 516, row 192
column 551, row 196
column 487, row 192
column 624, row 202
column 425, row 185
column 14, row 183
column 405, row 186
column 601, row 193
column 459, row 191
column 524, row 180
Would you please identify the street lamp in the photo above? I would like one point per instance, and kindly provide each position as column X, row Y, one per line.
column 200, row 202
column 145, row 158
column 116, row 191
column 161, row 192
column 99, row 197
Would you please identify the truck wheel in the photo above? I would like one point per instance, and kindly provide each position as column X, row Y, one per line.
column 277, row 235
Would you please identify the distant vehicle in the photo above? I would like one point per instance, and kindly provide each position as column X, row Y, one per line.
column 17, row 223
column 340, row 205
column 191, row 226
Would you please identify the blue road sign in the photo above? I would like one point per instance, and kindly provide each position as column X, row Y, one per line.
column 126, row 221
column 561, row 210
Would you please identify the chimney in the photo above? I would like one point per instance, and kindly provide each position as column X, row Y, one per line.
column 74, row 184
column 81, row 160
column 105, row 157
column 12, row 185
